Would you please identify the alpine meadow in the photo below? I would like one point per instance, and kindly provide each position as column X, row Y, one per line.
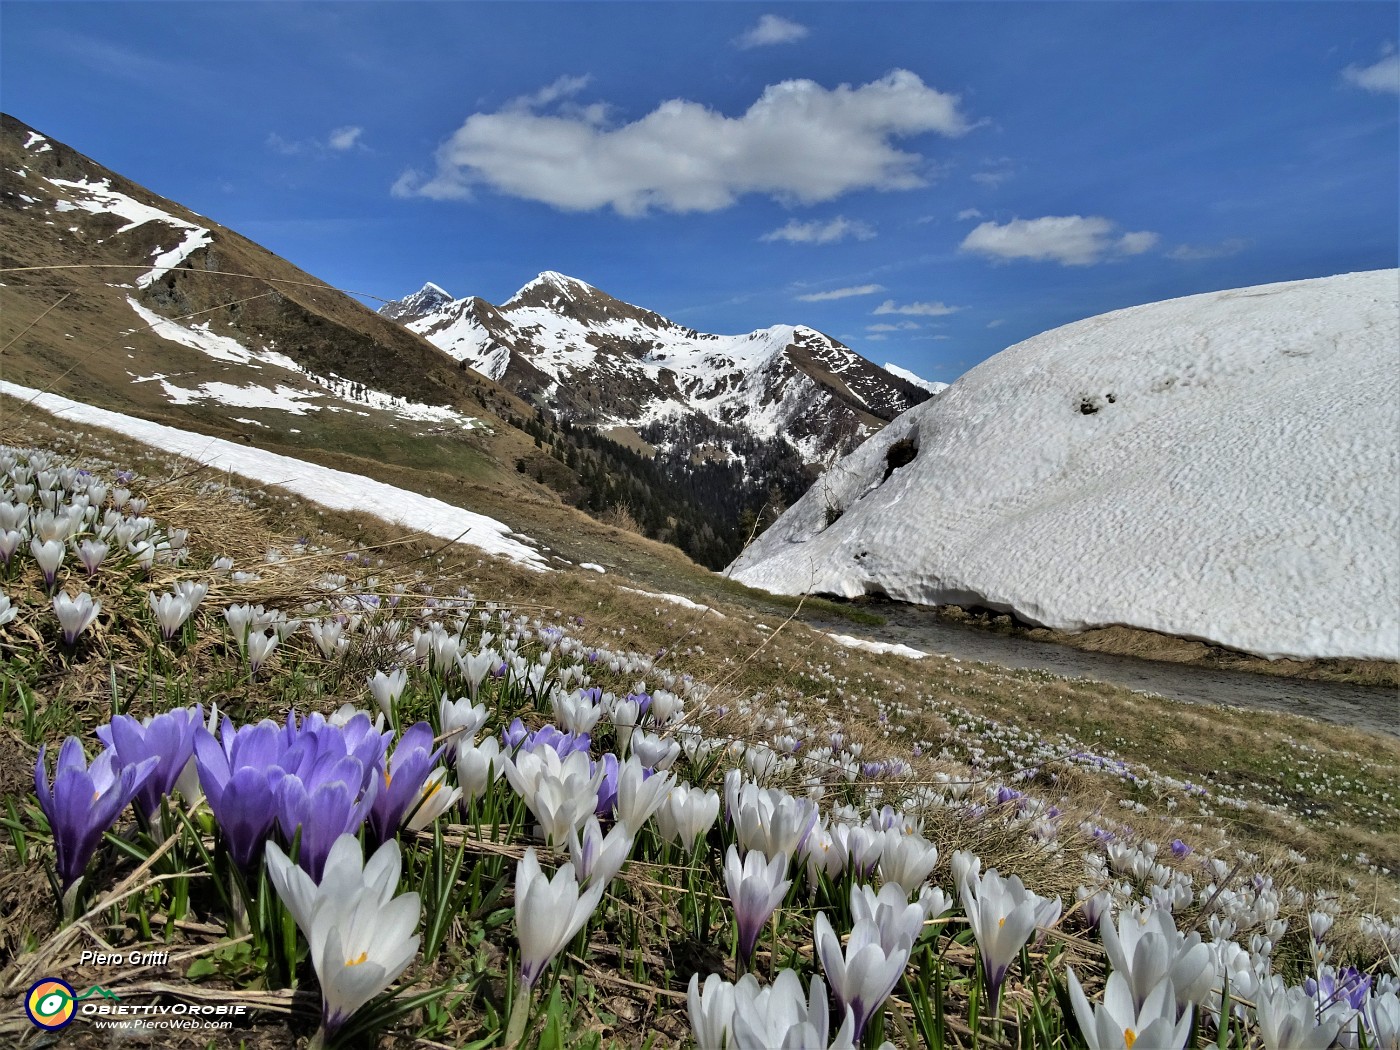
column 879, row 526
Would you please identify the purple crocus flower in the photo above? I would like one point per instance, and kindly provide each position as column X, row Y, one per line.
column 330, row 798
column 168, row 737
column 84, row 802
column 513, row 735
column 563, row 744
column 607, row 786
column 1349, row 986
column 237, row 772
column 403, row 776
column 1180, row 849
column 358, row 738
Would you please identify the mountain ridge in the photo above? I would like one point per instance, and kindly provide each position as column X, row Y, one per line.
column 603, row 362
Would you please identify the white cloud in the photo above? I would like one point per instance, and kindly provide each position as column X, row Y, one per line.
column 1228, row 247
column 564, row 87
column 817, row 232
column 996, row 172
column 996, row 323
column 798, row 142
column 840, row 293
column 916, row 309
column 1383, row 77
column 339, row 140
column 345, row 138
column 969, row 213
column 1137, row 243
column 1070, row 240
column 286, row 147
column 903, row 326
column 772, row 29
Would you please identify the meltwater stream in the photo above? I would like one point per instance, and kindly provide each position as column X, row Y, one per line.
column 1372, row 708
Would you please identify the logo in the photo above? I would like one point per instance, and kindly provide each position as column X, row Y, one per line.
column 51, row 1003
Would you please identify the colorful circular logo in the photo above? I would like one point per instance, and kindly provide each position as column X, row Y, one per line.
column 50, row 1003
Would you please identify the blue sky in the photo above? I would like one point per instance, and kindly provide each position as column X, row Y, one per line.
column 929, row 182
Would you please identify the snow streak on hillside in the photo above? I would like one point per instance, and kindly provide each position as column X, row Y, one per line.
column 336, row 489
column 1221, row 467
column 932, row 386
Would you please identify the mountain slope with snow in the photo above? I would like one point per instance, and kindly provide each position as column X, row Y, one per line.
column 603, row 362
column 1221, row 467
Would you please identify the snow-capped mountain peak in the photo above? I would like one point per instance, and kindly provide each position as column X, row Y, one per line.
column 604, row 362
column 424, row 301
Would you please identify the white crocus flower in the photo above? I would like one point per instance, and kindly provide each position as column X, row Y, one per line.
column 624, row 719
column 171, row 611
column 474, row 668
column 712, row 1011
column 328, row 635
column 7, row 611
column 361, row 936
column 49, row 555
column 862, row 976
column 639, row 795
column 75, row 615
column 598, row 858
column 1146, row 947
column 782, row 1015
column 756, row 887
column 92, row 553
column 934, row 901
column 434, row 801
column 260, row 647
column 770, row 819
column 1382, row 1018
column 575, row 711
column 890, row 911
column 1288, row 1020
column 548, row 913
column 193, row 591
column 561, row 793
column 478, row 767
column 906, row 859
column 687, row 814
column 460, row 719
column 387, row 688
column 1118, row 1023
column 1003, row 915
column 239, row 619
column 654, row 751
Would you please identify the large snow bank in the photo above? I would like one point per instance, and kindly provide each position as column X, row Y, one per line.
column 1223, row 467
column 337, row 489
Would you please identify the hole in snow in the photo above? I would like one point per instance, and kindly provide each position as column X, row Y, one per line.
column 900, row 454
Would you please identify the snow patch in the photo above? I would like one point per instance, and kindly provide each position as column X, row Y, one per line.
column 932, row 386
column 882, row 648
column 336, row 489
column 674, row 599
column 99, row 198
column 281, row 399
column 1220, row 467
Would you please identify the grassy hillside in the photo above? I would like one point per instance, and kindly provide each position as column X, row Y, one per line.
column 1247, row 822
